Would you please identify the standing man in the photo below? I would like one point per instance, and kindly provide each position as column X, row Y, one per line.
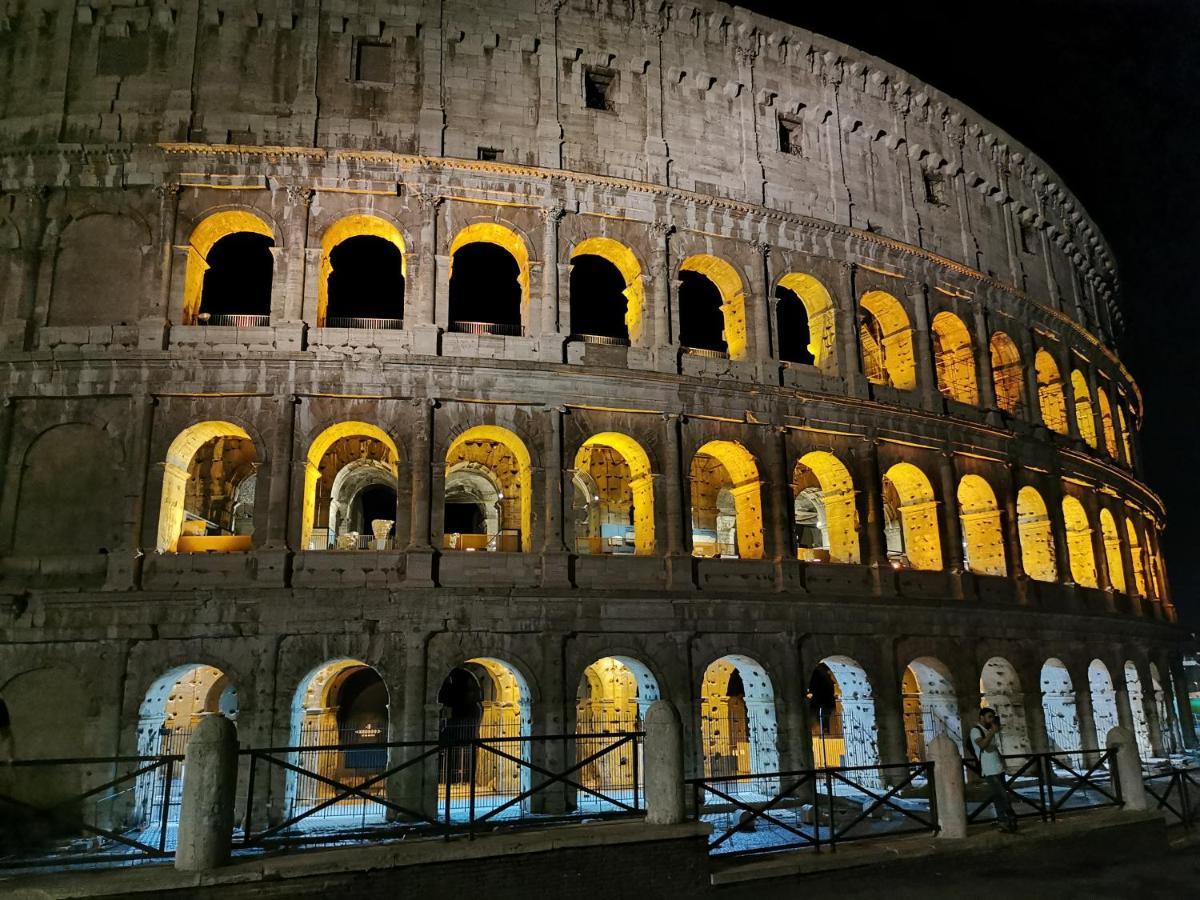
column 986, row 738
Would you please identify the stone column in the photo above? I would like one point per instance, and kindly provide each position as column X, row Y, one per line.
column 1058, row 529
column 207, row 810
column 678, row 542
column 951, row 522
column 657, row 153
column 889, row 708
column 664, row 764
column 10, row 475
column 408, row 787
column 551, row 324
column 279, row 487
column 18, row 317
column 420, row 303
column 850, row 363
column 420, row 552
column 869, row 503
column 1033, row 404
column 665, row 338
column 1183, row 705
column 949, row 787
column 765, row 349
column 549, row 128
column 1035, row 718
column 779, row 508
column 1012, row 534
column 555, row 556
column 143, row 410
column 153, row 322
column 931, row 398
column 1129, row 769
column 287, row 288
column 1126, row 555
column 1099, row 551
column 1097, row 416
column 1064, row 371
column 1084, row 711
column 983, row 360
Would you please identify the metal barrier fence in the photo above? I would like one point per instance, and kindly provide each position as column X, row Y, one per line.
column 509, row 329
column 815, row 808
column 373, row 324
column 1177, row 794
column 1046, row 785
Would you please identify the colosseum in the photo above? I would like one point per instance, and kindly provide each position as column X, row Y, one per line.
column 378, row 369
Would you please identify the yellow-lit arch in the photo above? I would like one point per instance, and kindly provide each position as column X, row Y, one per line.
column 819, row 306
column 357, row 225
column 175, row 476
column 1083, row 408
column 954, row 359
column 1007, row 375
column 631, row 270
column 316, row 452
column 733, row 298
column 641, row 484
column 1112, row 550
column 201, row 241
column 746, row 489
column 918, row 515
column 982, row 534
column 1080, row 555
column 1106, row 422
column 501, row 236
column 837, row 495
column 498, row 435
column 1051, row 399
column 1036, row 535
column 890, row 360
column 1135, row 555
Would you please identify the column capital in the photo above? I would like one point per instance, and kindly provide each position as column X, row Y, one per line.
column 677, row 416
column 423, row 402
column 168, row 190
column 428, row 200
column 300, row 194
column 33, row 194
column 662, row 229
column 551, row 215
column 761, row 247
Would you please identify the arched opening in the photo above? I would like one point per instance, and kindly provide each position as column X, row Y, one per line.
column 1104, row 701
column 488, row 487
column 1126, row 443
column 612, row 698
column 1137, row 705
column 1058, row 707
column 341, row 710
column 1036, row 536
column 489, row 280
column 1112, row 550
column 1106, row 422
column 712, row 307
column 485, row 716
column 607, row 293
column 983, row 539
column 910, row 513
column 1000, row 689
column 804, row 319
column 954, row 359
column 1155, row 574
column 726, row 502
column 1051, row 400
column 1083, row 408
column 363, row 269
column 1080, row 556
column 738, row 728
column 930, row 706
column 1135, row 555
column 886, row 339
column 229, row 271
column 613, row 503
column 203, row 505
column 172, row 707
column 1007, row 373
column 1168, row 724
column 350, row 486
column 825, row 522
column 842, row 715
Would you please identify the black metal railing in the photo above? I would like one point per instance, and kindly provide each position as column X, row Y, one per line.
column 1046, row 785
column 815, row 808
column 1177, row 795
column 366, row 322
column 606, row 340
column 231, row 320
column 508, row 329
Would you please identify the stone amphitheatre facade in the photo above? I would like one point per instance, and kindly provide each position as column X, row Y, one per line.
column 364, row 357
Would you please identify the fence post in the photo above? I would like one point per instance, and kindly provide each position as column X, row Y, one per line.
column 948, row 787
column 1129, row 769
column 664, row 764
column 206, row 816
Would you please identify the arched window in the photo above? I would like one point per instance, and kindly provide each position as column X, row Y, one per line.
column 954, row 359
column 613, row 696
column 350, row 489
column 1104, row 701
column 1007, row 374
column 1000, row 689
column 1058, row 706
column 204, row 468
column 983, row 539
column 1037, row 537
column 362, row 274
column 805, row 322
column 1083, row 408
column 614, row 500
column 1112, row 550
column 826, row 524
column 1079, row 543
column 712, row 307
column 841, row 707
column 1135, row 555
column 726, row 502
column 930, row 706
column 607, row 293
column 488, row 486
column 489, row 280
column 1106, row 422
column 887, row 343
column 1050, row 393
column 912, row 529
column 738, row 726
column 229, row 271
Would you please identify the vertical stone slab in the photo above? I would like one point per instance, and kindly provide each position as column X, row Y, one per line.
column 664, row 764
column 206, row 816
column 949, row 787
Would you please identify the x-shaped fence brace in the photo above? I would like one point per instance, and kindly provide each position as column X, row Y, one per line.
column 1177, row 783
column 1080, row 781
column 881, row 800
column 760, row 810
column 1038, row 765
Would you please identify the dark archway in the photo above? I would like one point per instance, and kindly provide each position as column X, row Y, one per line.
column 366, row 281
column 792, row 327
column 485, row 290
column 701, row 320
column 237, row 281
column 598, row 302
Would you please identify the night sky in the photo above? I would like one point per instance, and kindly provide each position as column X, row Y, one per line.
column 1108, row 93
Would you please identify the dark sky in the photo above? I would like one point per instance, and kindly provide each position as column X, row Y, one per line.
column 1108, row 93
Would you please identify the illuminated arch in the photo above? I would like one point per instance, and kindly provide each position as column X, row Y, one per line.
column 639, row 484
column 1036, row 535
column 844, row 734
column 823, row 476
column 357, row 225
column 887, row 343
column 738, row 725
column 1112, row 550
column 1083, row 408
column 203, row 237
column 631, row 270
column 494, row 434
column 1104, row 701
column 930, row 705
column 1000, row 689
column 733, row 298
column 1135, row 554
column 1051, row 399
column 1007, row 374
column 1079, row 543
column 1106, row 422
column 502, row 236
column 954, row 359
column 982, row 535
column 1137, row 705
column 176, row 473
column 1059, row 707
column 316, row 452
column 728, row 466
column 917, row 510
column 819, row 306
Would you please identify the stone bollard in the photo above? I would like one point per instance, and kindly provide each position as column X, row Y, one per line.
column 949, row 787
column 1129, row 769
column 206, row 816
column 664, row 764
